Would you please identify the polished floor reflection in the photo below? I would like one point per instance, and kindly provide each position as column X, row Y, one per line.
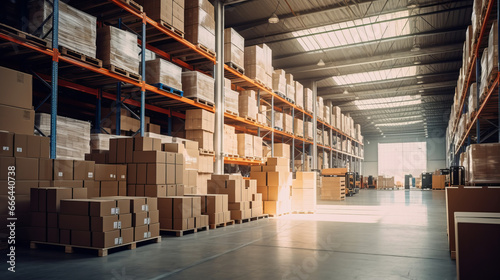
column 373, row 235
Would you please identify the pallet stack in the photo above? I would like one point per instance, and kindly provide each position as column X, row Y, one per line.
column 298, row 127
column 333, row 188
column 299, row 94
column 118, row 48
column 234, row 49
column 199, row 24
column 216, row 207
column 288, row 123
column 304, row 192
column 279, row 82
column 169, row 13
column 181, row 213
column 200, row 128
column 164, row 74
column 247, row 105
column 230, row 146
column 231, row 99
column 198, row 86
column 274, row 183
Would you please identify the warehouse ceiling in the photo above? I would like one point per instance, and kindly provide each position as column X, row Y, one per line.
column 391, row 64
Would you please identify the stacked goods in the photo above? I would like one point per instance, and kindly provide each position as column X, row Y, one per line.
column 438, row 182
column 274, row 182
column 216, row 207
column 299, row 94
column 298, row 127
column 268, row 65
column 290, row 87
column 160, row 71
column 288, row 123
column 280, row 82
column 77, row 30
column 483, row 86
column 20, row 158
column 231, row 98
column 199, row 23
column 45, row 205
column 304, row 192
column 118, row 48
column 234, row 46
column 247, row 104
column 308, row 100
column 128, row 124
column 245, row 145
column 358, row 132
column 230, row 146
column 326, row 139
column 181, row 213
column 166, row 12
column 108, row 222
column 109, row 179
column 327, row 114
column 257, row 147
column 476, row 18
column 320, row 108
column 100, row 141
column 16, row 111
column 319, row 136
column 282, row 150
column 337, row 114
column 261, row 115
column 483, row 163
column 198, row 85
column 199, row 127
column 243, row 200
column 73, row 136
column 255, row 64
column 333, row 188
column 492, row 52
column 278, row 120
column 308, row 130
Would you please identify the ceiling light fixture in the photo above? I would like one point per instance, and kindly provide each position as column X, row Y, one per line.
column 420, row 82
column 321, row 62
column 415, row 48
column 273, row 19
column 417, row 62
column 421, row 90
column 420, row 77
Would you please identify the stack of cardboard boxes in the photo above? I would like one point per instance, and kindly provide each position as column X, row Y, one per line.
column 160, row 71
column 199, row 23
column 274, row 182
column 243, row 200
column 230, row 146
column 181, row 213
column 119, row 48
column 290, row 86
column 299, row 94
column 279, row 82
column 261, row 115
column 247, row 104
column 268, row 65
column 298, row 127
column 167, row 12
column 288, row 123
column 308, row 126
column 320, row 108
column 198, row 85
column 216, row 207
column 308, row 100
column 255, row 64
column 333, row 188
column 199, row 127
column 231, row 98
column 245, row 145
column 234, row 46
column 304, row 192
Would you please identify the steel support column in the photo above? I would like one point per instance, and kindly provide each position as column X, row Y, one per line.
column 143, row 73
column 55, row 66
column 478, row 85
column 219, row 87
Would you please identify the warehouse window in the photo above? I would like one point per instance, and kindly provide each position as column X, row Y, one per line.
column 356, row 31
column 399, row 159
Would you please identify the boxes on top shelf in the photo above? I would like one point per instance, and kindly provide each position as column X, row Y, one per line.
column 118, row 48
column 234, row 48
column 483, row 163
column 199, row 23
column 279, row 81
column 493, row 50
column 320, row 107
column 476, row 17
column 255, row 64
column 298, row 127
column 160, row 71
column 247, row 104
column 308, row 100
column 327, row 114
column 198, row 85
column 168, row 11
column 299, row 94
column 77, row 30
column 17, row 89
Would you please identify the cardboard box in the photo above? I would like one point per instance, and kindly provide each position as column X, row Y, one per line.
column 149, row 157
column 63, row 169
column 155, row 190
column 103, row 224
column 26, row 168
column 74, row 222
column 108, row 188
column 6, row 144
column 199, row 119
column 20, row 145
column 106, row 239
column 83, row 170
column 277, row 161
column 138, row 204
column 54, row 197
column 33, row 146
column 155, row 173
column 17, row 120
column 99, row 208
column 81, row 238
column 147, row 144
column 132, row 173
column 204, row 138
column 105, row 172
column 17, row 88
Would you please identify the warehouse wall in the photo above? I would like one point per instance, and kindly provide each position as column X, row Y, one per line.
column 436, row 152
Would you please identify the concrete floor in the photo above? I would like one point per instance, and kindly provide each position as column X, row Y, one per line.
column 373, row 235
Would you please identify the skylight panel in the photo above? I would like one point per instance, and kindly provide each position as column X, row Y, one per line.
column 386, row 103
column 373, row 76
column 398, row 123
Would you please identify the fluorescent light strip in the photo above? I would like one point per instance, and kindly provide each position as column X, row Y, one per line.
column 399, row 123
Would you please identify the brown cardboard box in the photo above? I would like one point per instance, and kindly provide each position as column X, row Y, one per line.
column 81, row 238
column 127, row 235
column 149, row 157
column 18, row 88
column 26, row 168
column 45, row 169
column 140, row 190
column 183, row 207
column 99, row 208
column 154, row 229
column 239, row 205
column 83, row 170
column 129, row 150
column 199, row 119
column 79, row 207
column 155, row 173
column 38, row 219
column 170, row 158
column 6, row 144
column 20, row 145
column 179, row 174
column 74, row 222
column 132, row 173
column 170, row 174
column 278, row 161
column 147, row 144
column 5, row 162
column 108, row 188
column 173, row 147
column 137, row 204
column 140, row 219
column 33, row 147
column 141, row 232
column 54, row 197
column 122, row 188
column 45, row 147
column 106, row 239
column 155, row 190
column 205, row 139
column 63, row 169
column 22, row 187
column 17, row 120
column 121, row 172
column 105, row 172
column 103, row 224
column 142, row 173
column 125, row 220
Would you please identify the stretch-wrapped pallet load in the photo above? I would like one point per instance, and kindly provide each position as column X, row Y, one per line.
column 168, row 12
column 493, row 50
column 278, row 120
column 467, row 49
column 472, row 98
column 327, row 114
column 77, row 30
column 230, row 146
column 245, row 145
column 476, row 17
column 288, row 123
column 255, row 64
column 231, row 101
column 73, row 137
column 298, row 127
column 118, row 48
column 199, row 127
column 282, row 150
column 308, row 130
column 268, row 65
column 320, row 107
column 199, row 23
column 198, row 85
column 160, row 71
column 308, row 100
column 484, row 160
column 304, row 192
column 234, row 48
column 484, row 75
column 279, row 81
column 247, row 104
column 299, row 94
column 336, row 112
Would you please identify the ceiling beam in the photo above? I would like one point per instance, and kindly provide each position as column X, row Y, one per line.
column 388, row 39
column 443, row 84
column 443, row 49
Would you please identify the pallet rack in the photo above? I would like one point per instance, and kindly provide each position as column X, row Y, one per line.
column 488, row 109
column 131, row 18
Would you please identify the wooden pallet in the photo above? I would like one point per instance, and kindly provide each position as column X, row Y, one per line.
column 133, row 5
column 278, row 128
column 280, row 94
column 23, row 36
column 124, row 73
column 202, row 101
column 180, row 233
column 289, row 132
column 303, row 212
column 214, row 226
column 203, row 48
column 258, row 158
column 250, row 119
column 278, row 215
column 247, row 157
column 101, row 252
column 236, row 67
column 168, row 89
column 231, row 112
column 206, row 152
column 79, row 56
column 231, row 155
column 170, row 27
column 264, row 216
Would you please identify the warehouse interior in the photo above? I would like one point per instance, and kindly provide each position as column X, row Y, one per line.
column 235, row 139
